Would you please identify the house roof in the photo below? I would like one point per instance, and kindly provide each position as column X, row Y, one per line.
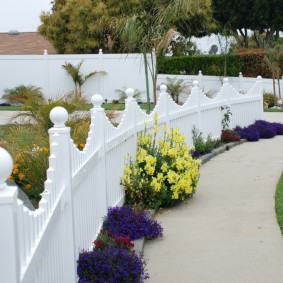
column 24, row 43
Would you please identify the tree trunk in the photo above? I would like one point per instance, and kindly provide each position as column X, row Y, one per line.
column 146, row 81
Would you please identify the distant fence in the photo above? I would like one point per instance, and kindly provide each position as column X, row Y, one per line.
column 123, row 70
column 45, row 71
column 43, row 245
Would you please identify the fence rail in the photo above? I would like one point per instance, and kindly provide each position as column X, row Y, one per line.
column 43, row 245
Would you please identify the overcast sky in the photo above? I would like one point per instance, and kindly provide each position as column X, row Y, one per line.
column 21, row 15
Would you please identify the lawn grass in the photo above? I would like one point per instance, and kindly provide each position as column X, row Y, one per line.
column 10, row 108
column 279, row 202
column 106, row 106
column 273, row 110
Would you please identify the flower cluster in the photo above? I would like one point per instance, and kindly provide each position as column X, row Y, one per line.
column 164, row 172
column 113, row 265
column 131, row 221
column 107, row 238
column 260, row 129
column 29, row 171
column 230, row 136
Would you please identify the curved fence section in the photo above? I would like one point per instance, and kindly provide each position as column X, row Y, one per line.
column 43, row 245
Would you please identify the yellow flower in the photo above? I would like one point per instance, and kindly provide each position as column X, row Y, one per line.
column 164, row 167
column 141, row 155
column 10, row 178
column 28, row 186
column 15, row 171
column 22, row 160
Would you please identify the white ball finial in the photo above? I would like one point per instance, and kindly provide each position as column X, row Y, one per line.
column 96, row 100
column 100, row 51
column 6, row 167
column 130, row 92
column 195, row 83
column 163, row 88
column 45, row 52
column 259, row 77
column 226, row 81
column 59, row 116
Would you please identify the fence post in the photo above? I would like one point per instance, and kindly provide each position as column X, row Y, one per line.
column 130, row 102
column 260, row 93
column 46, row 74
column 197, row 91
column 101, row 76
column 98, row 115
column 240, row 82
column 60, row 134
column 163, row 92
column 200, row 80
column 9, row 255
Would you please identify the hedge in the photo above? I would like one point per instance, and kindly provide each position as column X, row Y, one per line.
column 251, row 64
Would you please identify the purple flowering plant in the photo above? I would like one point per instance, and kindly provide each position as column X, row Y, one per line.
column 131, row 221
column 112, row 265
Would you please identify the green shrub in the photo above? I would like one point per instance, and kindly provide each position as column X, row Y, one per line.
column 269, row 99
column 21, row 94
column 212, row 65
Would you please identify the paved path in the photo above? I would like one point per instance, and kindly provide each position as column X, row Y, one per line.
column 228, row 232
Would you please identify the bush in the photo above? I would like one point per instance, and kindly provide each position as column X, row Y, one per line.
column 23, row 94
column 111, row 265
column 212, row 65
column 269, row 100
column 164, row 172
column 200, row 145
column 108, row 239
column 132, row 222
column 230, row 136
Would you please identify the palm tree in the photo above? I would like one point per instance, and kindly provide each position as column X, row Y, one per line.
column 78, row 78
column 151, row 30
column 176, row 87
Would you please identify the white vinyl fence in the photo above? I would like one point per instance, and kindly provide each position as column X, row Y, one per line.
column 43, row 245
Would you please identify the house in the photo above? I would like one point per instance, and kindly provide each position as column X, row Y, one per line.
column 24, row 43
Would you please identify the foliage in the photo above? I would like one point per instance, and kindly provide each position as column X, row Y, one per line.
column 176, row 88
column 229, row 136
column 225, row 122
column 164, row 172
column 208, row 64
column 264, row 21
column 279, row 203
column 29, row 171
column 269, row 99
column 108, row 239
column 260, row 129
column 131, row 221
column 113, row 265
column 78, row 78
column 202, row 146
column 21, row 94
column 123, row 96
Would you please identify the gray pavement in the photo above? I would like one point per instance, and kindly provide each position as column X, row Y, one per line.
column 228, row 232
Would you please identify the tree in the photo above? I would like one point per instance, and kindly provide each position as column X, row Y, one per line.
column 84, row 26
column 273, row 58
column 154, row 27
column 263, row 17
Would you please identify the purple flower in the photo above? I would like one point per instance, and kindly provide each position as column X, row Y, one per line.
column 132, row 222
column 111, row 265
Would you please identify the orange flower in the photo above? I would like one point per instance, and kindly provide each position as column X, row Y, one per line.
column 21, row 176
column 16, row 166
column 28, row 186
column 15, row 171
column 10, row 178
column 81, row 145
column 46, row 150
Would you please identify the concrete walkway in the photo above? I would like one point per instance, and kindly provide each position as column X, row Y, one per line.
column 228, row 232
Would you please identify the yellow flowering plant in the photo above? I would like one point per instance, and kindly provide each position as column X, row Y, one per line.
column 163, row 173
column 29, row 171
